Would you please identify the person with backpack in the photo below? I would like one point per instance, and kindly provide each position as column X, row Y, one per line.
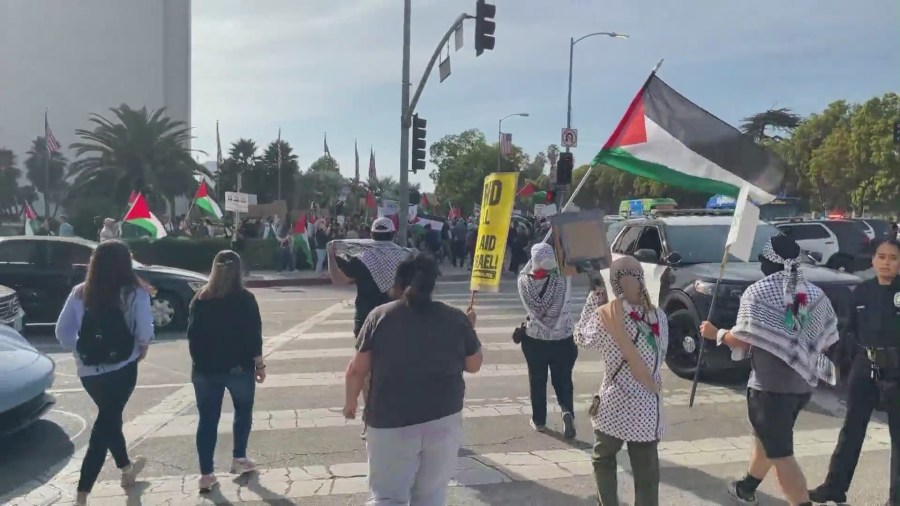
column 225, row 341
column 108, row 324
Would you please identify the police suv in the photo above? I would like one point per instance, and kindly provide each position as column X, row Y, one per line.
column 681, row 253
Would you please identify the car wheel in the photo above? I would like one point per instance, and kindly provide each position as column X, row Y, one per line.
column 684, row 343
column 167, row 311
column 840, row 263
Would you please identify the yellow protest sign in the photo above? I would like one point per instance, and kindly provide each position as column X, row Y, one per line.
column 493, row 228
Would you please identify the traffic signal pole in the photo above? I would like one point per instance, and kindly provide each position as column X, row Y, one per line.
column 404, row 128
column 408, row 107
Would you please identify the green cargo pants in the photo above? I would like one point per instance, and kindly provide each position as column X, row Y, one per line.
column 644, row 467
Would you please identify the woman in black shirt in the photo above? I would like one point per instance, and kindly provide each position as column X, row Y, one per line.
column 225, row 342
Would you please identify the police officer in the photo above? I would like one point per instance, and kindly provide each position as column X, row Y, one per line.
column 874, row 376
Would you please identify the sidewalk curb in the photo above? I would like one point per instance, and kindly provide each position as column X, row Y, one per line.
column 275, row 283
column 286, row 282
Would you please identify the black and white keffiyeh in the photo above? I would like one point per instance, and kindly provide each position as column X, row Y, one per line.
column 544, row 306
column 789, row 318
column 381, row 258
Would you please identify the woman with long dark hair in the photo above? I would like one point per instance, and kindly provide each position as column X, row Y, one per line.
column 416, row 350
column 225, row 341
column 108, row 324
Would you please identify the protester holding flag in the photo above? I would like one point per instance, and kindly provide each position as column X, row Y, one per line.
column 632, row 335
column 547, row 343
column 110, row 230
column 785, row 324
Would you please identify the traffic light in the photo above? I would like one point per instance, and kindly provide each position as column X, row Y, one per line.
column 897, row 132
column 418, row 144
column 484, row 26
column 564, row 168
column 551, row 197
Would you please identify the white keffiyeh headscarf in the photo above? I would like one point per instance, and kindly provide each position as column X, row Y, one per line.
column 789, row 318
column 381, row 258
column 545, row 308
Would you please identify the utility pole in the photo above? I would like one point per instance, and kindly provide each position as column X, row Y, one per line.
column 404, row 128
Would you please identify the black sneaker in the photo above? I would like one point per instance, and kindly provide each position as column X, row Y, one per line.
column 739, row 495
column 823, row 494
column 568, row 425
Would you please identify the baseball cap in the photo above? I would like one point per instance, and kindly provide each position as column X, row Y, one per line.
column 383, row 224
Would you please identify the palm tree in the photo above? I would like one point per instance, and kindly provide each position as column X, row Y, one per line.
column 9, row 182
column 780, row 120
column 137, row 150
column 47, row 177
column 241, row 159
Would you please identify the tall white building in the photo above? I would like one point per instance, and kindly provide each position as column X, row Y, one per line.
column 78, row 57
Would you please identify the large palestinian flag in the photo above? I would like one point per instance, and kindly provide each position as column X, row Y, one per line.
column 204, row 201
column 667, row 138
column 139, row 215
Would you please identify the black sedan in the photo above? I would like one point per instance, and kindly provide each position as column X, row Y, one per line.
column 43, row 270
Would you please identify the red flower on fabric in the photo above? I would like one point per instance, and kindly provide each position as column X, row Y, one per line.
column 801, row 298
column 635, row 316
column 654, row 327
column 539, row 274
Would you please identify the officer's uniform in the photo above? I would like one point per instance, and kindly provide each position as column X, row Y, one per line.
column 873, row 381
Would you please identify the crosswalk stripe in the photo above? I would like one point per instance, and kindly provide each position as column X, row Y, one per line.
column 488, row 317
column 472, row 470
column 349, row 351
column 348, row 334
column 335, row 378
column 318, row 418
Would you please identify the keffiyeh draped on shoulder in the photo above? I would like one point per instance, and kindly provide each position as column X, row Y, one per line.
column 798, row 341
column 381, row 258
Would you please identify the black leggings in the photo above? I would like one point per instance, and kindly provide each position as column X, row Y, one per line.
column 110, row 392
column 559, row 357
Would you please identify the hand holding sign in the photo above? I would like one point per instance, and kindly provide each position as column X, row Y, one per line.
column 493, row 229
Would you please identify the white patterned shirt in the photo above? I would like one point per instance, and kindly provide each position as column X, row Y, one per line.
column 627, row 411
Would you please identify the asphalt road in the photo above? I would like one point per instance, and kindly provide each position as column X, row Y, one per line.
column 309, row 455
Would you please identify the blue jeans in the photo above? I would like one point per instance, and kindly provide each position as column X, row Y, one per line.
column 210, row 389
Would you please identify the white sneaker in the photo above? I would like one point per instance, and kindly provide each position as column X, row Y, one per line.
column 539, row 428
column 131, row 471
column 207, row 482
column 242, row 466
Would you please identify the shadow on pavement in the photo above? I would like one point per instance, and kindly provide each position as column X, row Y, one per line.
column 31, row 454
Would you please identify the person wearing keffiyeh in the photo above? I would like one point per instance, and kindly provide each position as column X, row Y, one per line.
column 632, row 335
column 785, row 324
column 372, row 265
column 548, row 342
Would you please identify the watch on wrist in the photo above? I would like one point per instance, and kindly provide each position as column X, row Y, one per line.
column 720, row 336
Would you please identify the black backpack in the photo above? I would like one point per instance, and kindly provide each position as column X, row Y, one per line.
column 104, row 337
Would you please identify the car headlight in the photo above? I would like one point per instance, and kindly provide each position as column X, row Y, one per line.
column 704, row 287
column 196, row 285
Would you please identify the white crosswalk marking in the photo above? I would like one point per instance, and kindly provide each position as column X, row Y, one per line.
column 307, row 449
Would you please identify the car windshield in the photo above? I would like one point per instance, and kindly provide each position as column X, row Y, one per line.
column 700, row 244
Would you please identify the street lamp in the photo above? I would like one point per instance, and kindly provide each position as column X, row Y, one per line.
column 572, row 42
column 500, row 134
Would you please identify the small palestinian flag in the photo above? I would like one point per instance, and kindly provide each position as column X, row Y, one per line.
column 204, row 201
column 527, row 190
column 301, row 239
column 31, row 219
column 667, row 138
column 139, row 215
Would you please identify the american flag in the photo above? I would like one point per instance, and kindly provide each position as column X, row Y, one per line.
column 52, row 143
column 373, row 175
column 505, row 144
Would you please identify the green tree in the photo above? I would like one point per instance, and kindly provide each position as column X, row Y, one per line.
column 781, row 120
column 136, row 150
column 320, row 183
column 43, row 172
column 266, row 173
column 241, row 159
column 462, row 161
column 9, row 183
